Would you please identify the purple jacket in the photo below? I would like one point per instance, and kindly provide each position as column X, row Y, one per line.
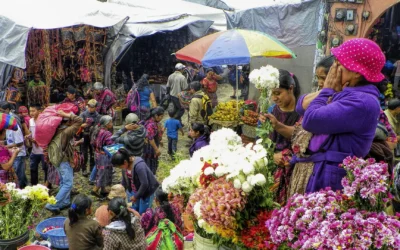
column 350, row 120
column 200, row 142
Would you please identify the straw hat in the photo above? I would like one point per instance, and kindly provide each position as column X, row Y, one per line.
column 117, row 191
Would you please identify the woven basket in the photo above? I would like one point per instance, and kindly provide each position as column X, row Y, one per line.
column 249, row 131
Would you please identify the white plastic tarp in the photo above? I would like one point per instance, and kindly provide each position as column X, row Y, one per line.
column 294, row 24
column 145, row 20
column 239, row 5
column 177, row 8
column 17, row 17
column 196, row 25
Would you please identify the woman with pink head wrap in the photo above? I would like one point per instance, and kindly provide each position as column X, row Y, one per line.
column 343, row 116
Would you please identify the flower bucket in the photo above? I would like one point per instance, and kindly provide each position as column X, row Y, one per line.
column 13, row 244
column 200, row 243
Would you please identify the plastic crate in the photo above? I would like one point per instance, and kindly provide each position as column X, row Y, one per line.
column 58, row 238
column 55, row 222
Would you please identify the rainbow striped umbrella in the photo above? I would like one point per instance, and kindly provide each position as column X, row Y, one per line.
column 233, row 47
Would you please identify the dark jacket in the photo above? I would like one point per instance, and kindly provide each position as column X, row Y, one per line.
column 145, row 181
column 132, row 140
column 200, row 142
column 84, row 234
column 91, row 119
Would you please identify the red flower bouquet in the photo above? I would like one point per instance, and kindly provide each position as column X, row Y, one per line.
column 256, row 235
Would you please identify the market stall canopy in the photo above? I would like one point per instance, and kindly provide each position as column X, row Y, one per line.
column 238, row 5
column 178, row 8
column 235, row 47
column 145, row 20
column 17, row 17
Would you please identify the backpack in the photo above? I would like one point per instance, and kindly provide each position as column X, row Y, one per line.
column 206, row 109
column 55, row 151
column 133, row 100
column 164, row 236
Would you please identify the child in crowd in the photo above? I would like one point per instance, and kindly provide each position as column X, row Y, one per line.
column 37, row 155
column 172, row 126
column 125, row 231
column 23, row 114
column 82, row 232
column 200, row 133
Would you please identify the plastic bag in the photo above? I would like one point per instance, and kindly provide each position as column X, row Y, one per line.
column 112, row 149
column 48, row 122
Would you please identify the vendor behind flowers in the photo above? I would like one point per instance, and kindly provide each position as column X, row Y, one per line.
column 346, row 111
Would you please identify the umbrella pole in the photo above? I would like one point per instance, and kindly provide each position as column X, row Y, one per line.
column 237, row 89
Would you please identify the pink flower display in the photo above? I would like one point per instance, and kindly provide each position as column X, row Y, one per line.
column 366, row 182
column 321, row 221
column 221, row 202
column 336, row 220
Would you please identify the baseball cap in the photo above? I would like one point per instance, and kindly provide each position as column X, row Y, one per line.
column 131, row 118
column 22, row 109
column 179, row 66
column 92, row 103
column 71, row 90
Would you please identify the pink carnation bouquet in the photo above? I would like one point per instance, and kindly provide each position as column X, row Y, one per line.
column 352, row 219
column 366, row 183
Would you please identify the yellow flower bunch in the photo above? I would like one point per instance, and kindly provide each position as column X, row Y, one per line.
column 37, row 193
column 389, row 91
column 227, row 233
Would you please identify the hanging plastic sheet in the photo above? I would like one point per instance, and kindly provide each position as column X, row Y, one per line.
column 13, row 38
column 6, row 71
column 293, row 24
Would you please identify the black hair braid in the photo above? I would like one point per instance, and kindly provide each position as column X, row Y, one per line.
column 119, row 207
column 162, row 198
column 78, row 207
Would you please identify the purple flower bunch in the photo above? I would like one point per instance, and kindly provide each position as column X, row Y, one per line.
column 322, row 220
column 366, row 183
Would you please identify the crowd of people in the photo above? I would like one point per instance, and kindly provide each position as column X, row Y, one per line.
column 313, row 133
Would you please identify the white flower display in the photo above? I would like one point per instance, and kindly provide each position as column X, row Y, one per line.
column 237, row 184
column 250, row 179
column 246, row 187
column 181, row 178
column 196, row 209
column 242, row 165
column 259, row 180
column 11, row 186
column 209, row 171
column 226, row 137
column 265, row 78
column 201, row 223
